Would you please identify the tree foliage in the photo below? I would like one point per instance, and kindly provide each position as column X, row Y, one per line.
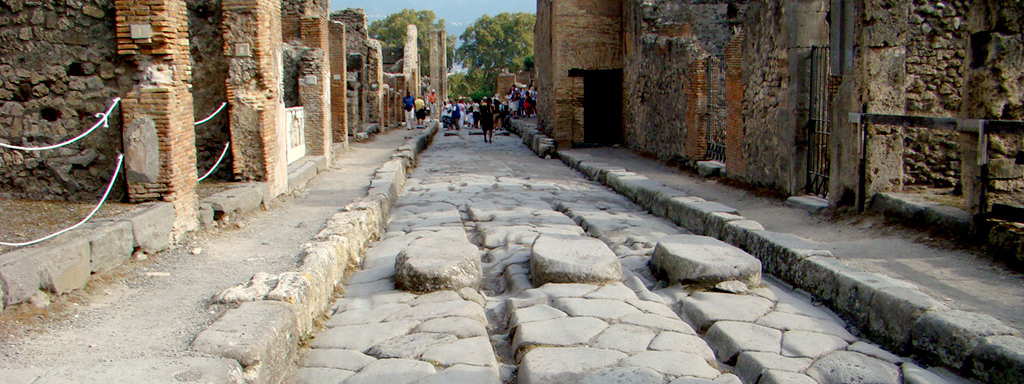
column 392, row 29
column 489, row 46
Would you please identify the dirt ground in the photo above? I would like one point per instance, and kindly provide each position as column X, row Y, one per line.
column 26, row 220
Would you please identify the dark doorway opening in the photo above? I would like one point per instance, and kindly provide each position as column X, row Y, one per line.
column 602, row 106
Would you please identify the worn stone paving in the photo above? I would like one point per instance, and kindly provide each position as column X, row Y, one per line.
column 514, row 269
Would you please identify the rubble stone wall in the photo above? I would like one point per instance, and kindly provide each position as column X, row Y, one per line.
column 58, row 67
column 209, row 72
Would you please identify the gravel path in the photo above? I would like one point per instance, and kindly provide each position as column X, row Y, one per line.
column 156, row 307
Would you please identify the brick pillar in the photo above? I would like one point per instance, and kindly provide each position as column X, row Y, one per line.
column 252, row 45
column 435, row 62
column 695, row 144
column 442, row 42
column 315, row 85
column 411, row 64
column 375, row 81
column 339, row 91
column 159, row 137
column 735, row 156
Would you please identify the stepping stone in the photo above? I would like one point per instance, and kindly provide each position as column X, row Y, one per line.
column 691, row 259
column 573, row 259
column 729, row 338
column 460, row 327
column 409, row 346
column 563, row 332
column 810, row 344
column 438, row 263
column 564, row 365
column 463, row 374
column 599, row 308
column 321, row 375
column 625, row 338
column 337, row 359
column 678, row 342
column 843, row 367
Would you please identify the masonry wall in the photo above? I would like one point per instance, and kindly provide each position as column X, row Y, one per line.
column 356, row 38
column 58, row 67
column 339, row 90
column 209, row 73
column 542, row 55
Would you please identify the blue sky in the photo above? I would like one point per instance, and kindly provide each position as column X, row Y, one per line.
column 457, row 13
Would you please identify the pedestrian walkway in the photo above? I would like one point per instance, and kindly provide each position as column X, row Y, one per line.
column 155, row 308
column 962, row 279
column 528, row 294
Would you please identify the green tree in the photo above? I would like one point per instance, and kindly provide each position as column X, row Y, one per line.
column 391, row 32
column 492, row 45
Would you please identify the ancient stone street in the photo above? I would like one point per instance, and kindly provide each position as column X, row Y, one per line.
column 539, row 275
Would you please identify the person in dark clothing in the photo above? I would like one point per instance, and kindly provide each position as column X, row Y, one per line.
column 487, row 120
column 407, row 104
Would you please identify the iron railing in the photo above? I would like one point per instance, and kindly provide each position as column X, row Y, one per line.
column 819, row 126
column 714, row 128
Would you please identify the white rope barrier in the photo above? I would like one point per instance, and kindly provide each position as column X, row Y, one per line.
column 215, row 165
column 106, row 193
column 208, row 118
column 104, row 121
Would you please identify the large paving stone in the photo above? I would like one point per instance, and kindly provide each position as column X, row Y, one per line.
column 362, row 337
column 729, row 338
column 706, row 308
column 705, row 260
column 460, row 308
column 751, row 365
column 784, row 377
column 365, row 316
column 679, row 342
column 792, row 322
column 658, row 322
column 460, row 327
column 950, row 336
column 564, row 365
column 535, row 313
column 337, row 359
column 463, row 374
column 810, row 344
column 563, row 332
column 625, row 338
column 472, row 351
column 673, row 363
column 408, row 346
column 623, row 375
column 599, row 308
column 319, row 375
column 573, row 259
column 843, row 367
column 437, row 263
column 393, row 371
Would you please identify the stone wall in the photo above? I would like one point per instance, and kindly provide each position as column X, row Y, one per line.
column 209, row 71
column 339, row 97
column 356, row 43
column 58, row 67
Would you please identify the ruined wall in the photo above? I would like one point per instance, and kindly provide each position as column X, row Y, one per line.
column 356, row 40
column 209, row 72
column 58, row 67
column 339, row 97
column 584, row 35
column 375, row 81
column 765, row 73
column 542, row 56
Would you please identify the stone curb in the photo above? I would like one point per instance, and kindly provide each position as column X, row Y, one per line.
column 907, row 208
column 276, row 319
column 537, row 141
column 890, row 311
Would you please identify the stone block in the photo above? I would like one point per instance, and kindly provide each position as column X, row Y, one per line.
column 111, row 244
column 393, row 371
column 751, row 365
column 914, row 374
column 567, row 332
column 206, row 214
column 673, row 363
column 893, row 311
column 843, row 367
column 710, row 168
column 438, row 263
column 781, row 253
column 692, row 215
column 704, row 260
column 151, row 226
column 623, row 375
column 811, row 204
column 262, row 336
column 564, row 365
column 855, row 290
column 999, row 360
column 573, row 259
column 706, row 308
column 949, row 337
column 300, row 174
column 19, row 274
column 241, row 199
column 64, row 265
column 730, row 338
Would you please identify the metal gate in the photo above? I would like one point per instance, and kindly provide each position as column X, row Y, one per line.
column 714, row 127
column 819, row 126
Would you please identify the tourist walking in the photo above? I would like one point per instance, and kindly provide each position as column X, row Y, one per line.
column 421, row 111
column 408, row 104
column 486, row 112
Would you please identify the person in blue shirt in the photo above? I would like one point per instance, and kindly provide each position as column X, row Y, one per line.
column 407, row 104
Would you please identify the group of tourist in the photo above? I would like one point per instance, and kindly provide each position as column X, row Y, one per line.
column 487, row 114
column 418, row 109
column 522, row 101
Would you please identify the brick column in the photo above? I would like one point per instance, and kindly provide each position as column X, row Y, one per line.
column 695, row 144
column 315, row 85
column 252, row 43
column 339, row 91
column 735, row 156
column 411, row 64
column 159, row 137
column 375, row 81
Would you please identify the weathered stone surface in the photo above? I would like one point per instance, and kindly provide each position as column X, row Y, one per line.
column 263, row 335
column 616, row 291
column 435, row 310
column 564, row 365
column 337, row 359
column 729, row 338
column 950, row 336
column 567, row 289
column 408, row 346
column 599, row 308
column 673, row 363
column 792, row 322
column 842, row 367
column 623, row 375
column 811, row 204
column 999, row 359
column 321, row 375
column 700, row 259
column 874, row 351
column 472, row 351
column 710, row 168
column 238, row 200
column 111, row 244
column 751, row 365
column 358, row 316
column 393, row 371
column 573, row 259
column 362, row 337
column 151, row 226
column 783, row 377
column 678, row 342
column 463, row 374
column 706, row 308
column 535, row 313
column 625, row 338
column 809, row 344
column 460, row 327
column 436, row 263
column 658, row 322
column 564, row 332
column 914, row 374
